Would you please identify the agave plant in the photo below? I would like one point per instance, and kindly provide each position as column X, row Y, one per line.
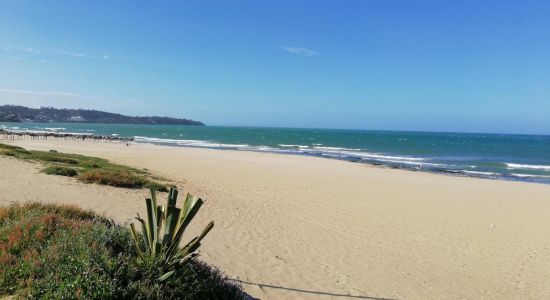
column 169, row 222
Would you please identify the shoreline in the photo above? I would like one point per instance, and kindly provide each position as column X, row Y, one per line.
column 415, row 166
column 313, row 226
column 458, row 173
column 489, row 156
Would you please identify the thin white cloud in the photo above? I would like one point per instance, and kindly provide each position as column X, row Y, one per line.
column 37, row 93
column 54, row 52
column 63, row 99
column 70, row 54
column 22, row 49
column 300, row 51
column 29, row 50
column 38, row 98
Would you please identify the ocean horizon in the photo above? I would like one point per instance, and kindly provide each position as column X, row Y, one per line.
column 519, row 157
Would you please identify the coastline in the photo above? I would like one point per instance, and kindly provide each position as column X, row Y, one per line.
column 337, row 153
column 330, row 227
column 413, row 167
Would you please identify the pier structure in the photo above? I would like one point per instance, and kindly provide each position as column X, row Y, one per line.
column 7, row 134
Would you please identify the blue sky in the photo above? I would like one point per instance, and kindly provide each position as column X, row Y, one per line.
column 475, row 66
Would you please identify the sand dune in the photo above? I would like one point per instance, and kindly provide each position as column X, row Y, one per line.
column 294, row 227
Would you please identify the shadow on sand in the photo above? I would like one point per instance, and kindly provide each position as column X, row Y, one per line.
column 348, row 296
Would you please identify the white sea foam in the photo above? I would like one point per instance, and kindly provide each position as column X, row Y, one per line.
column 79, row 133
column 369, row 156
column 55, row 128
column 189, row 143
column 529, row 175
column 335, row 148
column 340, row 152
column 480, row 173
column 294, row 146
column 412, row 163
column 527, row 167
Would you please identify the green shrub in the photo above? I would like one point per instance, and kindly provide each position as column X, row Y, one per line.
column 119, row 179
column 114, row 178
column 73, row 212
column 56, row 157
column 30, row 238
column 60, row 170
column 7, row 153
column 62, row 252
column 10, row 147
column 155, row 186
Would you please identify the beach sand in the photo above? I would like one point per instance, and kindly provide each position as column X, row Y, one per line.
column 295, row 227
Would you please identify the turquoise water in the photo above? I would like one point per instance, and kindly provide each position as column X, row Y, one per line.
column 499, row 156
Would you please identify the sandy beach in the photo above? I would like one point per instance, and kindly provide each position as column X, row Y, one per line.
column 296, row 227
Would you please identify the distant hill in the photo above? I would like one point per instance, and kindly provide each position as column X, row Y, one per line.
column 15, row 113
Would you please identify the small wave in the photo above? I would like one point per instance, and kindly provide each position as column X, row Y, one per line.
column 55, row 128
column 406, row 162
column 340, row 152
column 379, row 157
column 527, row 167
column 479, row 173
column 529, row 175
column 335, row 148
column 293, row 146
column 189, row 143
column 265, row 149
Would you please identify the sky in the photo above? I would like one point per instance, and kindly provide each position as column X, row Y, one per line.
column 464, row 66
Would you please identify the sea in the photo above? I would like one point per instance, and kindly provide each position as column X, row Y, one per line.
column 494, row 156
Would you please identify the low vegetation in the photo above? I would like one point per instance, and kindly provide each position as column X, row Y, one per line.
column 62, row 252
column 60, row 170
column 114, row 178
column 86, row 168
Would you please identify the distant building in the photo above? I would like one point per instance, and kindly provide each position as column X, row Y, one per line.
column 76, row 118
